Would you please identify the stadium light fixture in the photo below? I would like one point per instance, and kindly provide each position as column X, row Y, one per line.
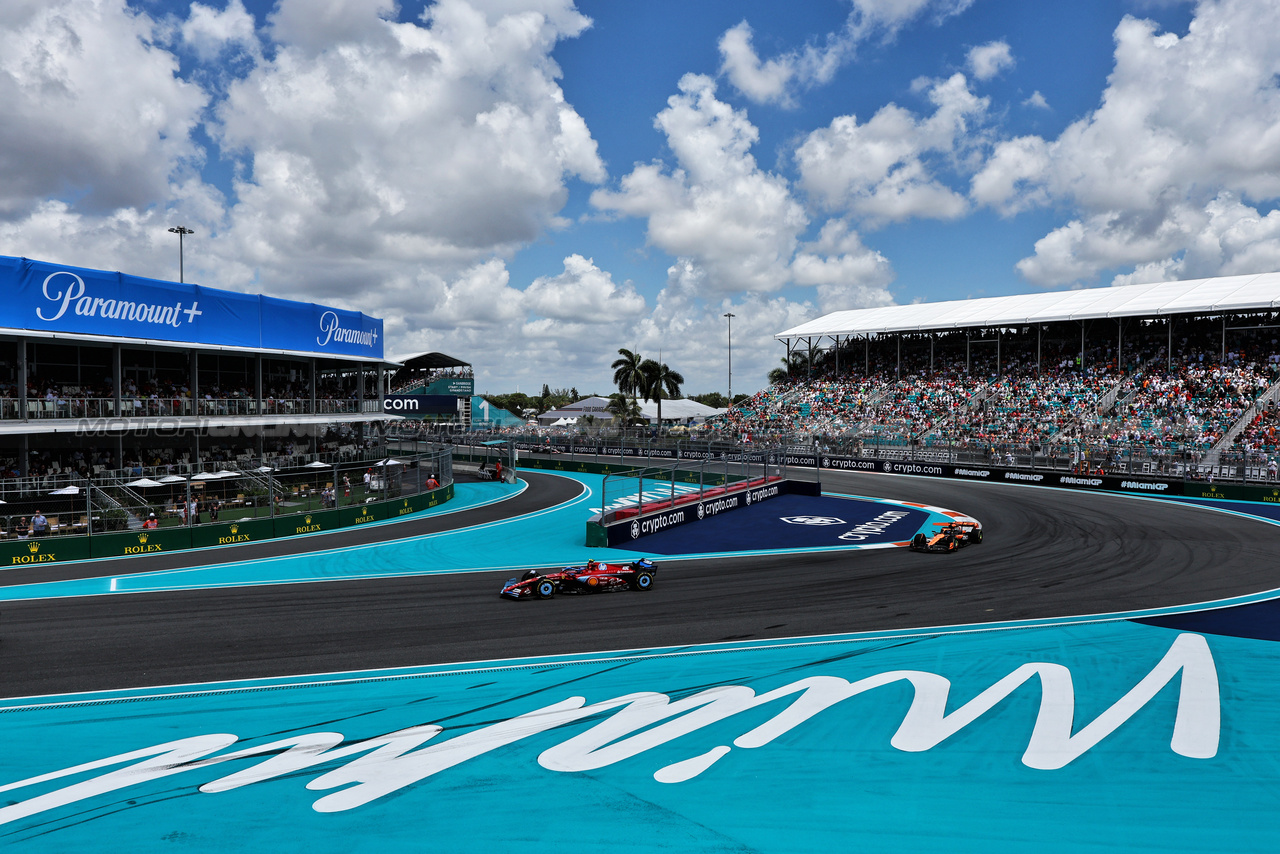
column 182, row 231
column 731, row 316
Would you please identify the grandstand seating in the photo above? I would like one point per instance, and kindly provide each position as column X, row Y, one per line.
column 1194, row 410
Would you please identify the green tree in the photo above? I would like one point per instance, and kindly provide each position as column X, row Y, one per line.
column 625, row 410
column 660, row 381
column 627, row 373
column 797, row 366
column 714, row 399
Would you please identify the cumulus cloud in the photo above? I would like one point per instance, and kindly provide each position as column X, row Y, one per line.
column 771, row 81
column 437, row 144
column 846, row 273
column 1225, row 237
column 734, row 228
column 987, row 60
column 209, row 32
column 883, row 170
column 1036, row 100
column 775, row 80
column 1187, row 130
column 739, row 223
column 93, row 110
column 583, row 293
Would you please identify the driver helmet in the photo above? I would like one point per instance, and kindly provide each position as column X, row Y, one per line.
column 592, row 564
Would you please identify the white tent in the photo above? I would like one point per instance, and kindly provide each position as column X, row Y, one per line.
column 1195, row 296
column 680, row 410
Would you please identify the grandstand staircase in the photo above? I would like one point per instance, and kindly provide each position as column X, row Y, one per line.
column 1228, row 438
column 981, row 395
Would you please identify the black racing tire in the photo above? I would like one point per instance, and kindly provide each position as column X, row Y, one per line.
column 977, row 536
column 545, row 589
column 918, row 541
column 642, row 581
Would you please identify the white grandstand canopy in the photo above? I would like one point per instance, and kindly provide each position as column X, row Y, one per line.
column 1223, row 295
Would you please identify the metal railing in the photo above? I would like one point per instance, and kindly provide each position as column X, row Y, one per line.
column 143, row 407
column 1151, row 459
column 124, row 501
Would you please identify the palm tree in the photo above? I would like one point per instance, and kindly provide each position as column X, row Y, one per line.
column 659, row 379
column 627, row 373
column 798, row 365
column 624, row 409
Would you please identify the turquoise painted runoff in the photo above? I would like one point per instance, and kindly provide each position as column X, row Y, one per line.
column 1101, row 736
column 1069, row 735
column 547, row 538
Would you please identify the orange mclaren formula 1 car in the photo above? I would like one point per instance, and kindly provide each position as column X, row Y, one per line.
column 949, row 537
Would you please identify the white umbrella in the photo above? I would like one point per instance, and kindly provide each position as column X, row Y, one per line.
column 66, row 490
column 144, row 481
column 226, row 473
column 391, row 463
column 204, row 475
column 264, row 468
column 317, row 465
column 173, row 478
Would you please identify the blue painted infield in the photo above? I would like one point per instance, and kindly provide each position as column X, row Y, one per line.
column 794, row 522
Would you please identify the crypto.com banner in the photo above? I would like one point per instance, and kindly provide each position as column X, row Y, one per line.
column 57, row 298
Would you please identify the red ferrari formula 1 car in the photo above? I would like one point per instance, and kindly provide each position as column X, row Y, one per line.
column 595, row 577
column 949, row 537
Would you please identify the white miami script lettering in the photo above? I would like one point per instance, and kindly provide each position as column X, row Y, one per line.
column 645, row 720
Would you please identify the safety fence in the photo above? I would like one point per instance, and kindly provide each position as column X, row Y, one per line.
column 1154, row 459
column 112, row 516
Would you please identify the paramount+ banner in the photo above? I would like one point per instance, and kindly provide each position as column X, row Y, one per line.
column 991, row 474
column 58, row 298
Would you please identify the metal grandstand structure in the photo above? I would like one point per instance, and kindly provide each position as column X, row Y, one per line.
column 1222, row 296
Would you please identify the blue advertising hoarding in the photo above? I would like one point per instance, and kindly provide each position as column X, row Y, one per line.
column 59, row 298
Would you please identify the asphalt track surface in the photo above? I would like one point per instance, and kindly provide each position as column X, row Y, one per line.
column 1046, row 553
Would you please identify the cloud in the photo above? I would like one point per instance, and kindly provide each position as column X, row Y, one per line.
column 847, row 274
column 988, row 60
column 883, row 170
column 209, row 32
column 1037, row 101
column 438, row 144
column 1223, row 238
column 315, row 27
column 775, row 80
column 93, row 110
column 718, row 208
column 1186, row 124
column 770, row 81
column 583, row 293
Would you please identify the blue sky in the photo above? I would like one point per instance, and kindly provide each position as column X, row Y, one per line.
column 531, row 184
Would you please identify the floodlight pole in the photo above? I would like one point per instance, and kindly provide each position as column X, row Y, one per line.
column 182, row 231
column 731, row 316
